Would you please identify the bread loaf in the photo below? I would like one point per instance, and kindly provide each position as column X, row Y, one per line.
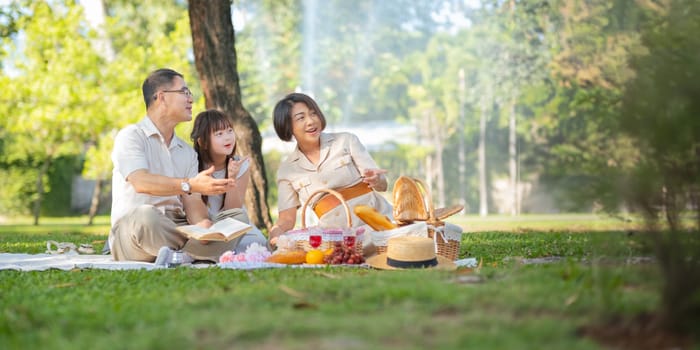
column 409, row 205
column 373, row 218
column 290, row 257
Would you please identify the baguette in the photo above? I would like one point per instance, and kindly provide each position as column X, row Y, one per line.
column 291, row 257
column 373, row 218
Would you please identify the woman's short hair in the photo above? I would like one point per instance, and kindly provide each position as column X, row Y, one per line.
column 283, row 118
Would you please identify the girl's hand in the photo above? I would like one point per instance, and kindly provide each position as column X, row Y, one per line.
column 234, row 166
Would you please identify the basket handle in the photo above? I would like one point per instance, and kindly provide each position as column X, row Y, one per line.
column 329, row 191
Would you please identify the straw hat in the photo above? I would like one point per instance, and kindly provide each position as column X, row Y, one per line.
column 407, row 252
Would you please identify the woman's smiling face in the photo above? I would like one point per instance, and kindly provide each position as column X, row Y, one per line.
column 306, row 124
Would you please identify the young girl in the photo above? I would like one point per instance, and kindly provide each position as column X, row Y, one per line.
column 215, row 143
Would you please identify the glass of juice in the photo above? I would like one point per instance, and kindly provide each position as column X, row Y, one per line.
column 315, row 238
column 349, row 238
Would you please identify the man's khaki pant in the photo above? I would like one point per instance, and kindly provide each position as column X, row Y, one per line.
column 140, row 233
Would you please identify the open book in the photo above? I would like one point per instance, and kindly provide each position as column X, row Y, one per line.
column 224, row 230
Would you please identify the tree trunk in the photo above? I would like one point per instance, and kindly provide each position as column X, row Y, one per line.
column 40, row 188
column 440, row 176
column 95, row 14
column 213, row 42
column 461, row 152
column 512, row 159
column 95, row 202
column 483, row 195
column 425, row 133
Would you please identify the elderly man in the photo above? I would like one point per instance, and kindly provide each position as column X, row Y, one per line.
column 155, row 183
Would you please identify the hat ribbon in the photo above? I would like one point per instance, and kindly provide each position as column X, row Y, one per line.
column 411, row 264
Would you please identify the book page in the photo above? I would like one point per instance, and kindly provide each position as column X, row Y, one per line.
column 229, row 226
column 223, row 230
column 196, row 232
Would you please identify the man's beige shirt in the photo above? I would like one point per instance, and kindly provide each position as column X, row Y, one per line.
column 141, row 146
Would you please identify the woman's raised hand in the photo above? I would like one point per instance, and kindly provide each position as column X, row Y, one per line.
column 374, row 178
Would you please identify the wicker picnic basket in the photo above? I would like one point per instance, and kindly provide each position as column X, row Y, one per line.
column 447, row 243
column 330, row 235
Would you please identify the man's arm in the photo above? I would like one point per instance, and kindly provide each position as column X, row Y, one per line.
column 159, row 185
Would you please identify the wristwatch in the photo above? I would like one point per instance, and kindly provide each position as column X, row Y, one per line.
column 185, row 186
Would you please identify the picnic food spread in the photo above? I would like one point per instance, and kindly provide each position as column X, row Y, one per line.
column 336, row 246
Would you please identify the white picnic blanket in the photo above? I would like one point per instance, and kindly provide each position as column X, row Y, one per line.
column 43, row 262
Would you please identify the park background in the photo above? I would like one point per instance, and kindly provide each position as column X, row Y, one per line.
column 507, row 107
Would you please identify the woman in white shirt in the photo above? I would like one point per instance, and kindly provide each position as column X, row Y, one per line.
column 322, row 160
column 215, row 142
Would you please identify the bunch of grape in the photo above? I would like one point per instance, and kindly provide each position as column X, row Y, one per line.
column 343, row 255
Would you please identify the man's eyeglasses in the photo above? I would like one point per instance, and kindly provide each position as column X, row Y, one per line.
column 185, row 91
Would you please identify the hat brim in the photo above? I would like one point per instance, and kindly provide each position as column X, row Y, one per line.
column 379, row 262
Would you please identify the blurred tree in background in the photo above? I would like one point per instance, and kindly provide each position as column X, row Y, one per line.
column 661, row 114
column 536, row 117
column 50, row 114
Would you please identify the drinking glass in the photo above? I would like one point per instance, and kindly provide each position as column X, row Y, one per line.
column 315, row 238
column 349, row 238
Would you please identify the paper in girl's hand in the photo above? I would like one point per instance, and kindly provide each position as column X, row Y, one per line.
column 237, row 167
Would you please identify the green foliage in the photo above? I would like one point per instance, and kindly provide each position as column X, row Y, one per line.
column 268, row 53
column 8, row 25
column 51, row 116
column 272, row 164
column 50, row 106
column 575, row 116
column 18, row 184
column 660, row 113
column 60, row 185
column 661, row 106
column 70, row 94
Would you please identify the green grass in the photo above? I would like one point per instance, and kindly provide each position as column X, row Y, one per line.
column 510, row 306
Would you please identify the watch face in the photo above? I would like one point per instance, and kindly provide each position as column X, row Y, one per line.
column 185, row 187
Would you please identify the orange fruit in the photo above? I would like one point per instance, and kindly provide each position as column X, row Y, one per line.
column 314, row 257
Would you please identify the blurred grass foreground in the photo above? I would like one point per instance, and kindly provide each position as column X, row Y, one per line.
column 540, row 285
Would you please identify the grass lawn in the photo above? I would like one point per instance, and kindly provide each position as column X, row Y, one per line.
column 503, row 304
